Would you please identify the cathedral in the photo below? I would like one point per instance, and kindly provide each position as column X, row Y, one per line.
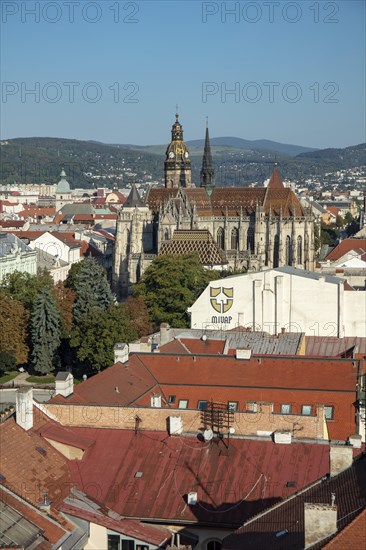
column 232, row 228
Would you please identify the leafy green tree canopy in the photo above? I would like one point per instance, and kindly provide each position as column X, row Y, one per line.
column 13, row 328
column 95, row 336
column 170, row 285
column 25, row 287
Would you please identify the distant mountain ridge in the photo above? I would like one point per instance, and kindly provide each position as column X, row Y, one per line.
column 92, row 163
column 229, row 142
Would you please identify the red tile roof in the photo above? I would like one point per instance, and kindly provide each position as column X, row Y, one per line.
column 29, row 472
column 276, row 181
column 275, row 379
column 117, row 385
column 13, row 223
column 349, row 488
column 232, row 482
column 346, row 246
column 158, row 536
column 51, row 530
column 352, row 537
column 202, row 347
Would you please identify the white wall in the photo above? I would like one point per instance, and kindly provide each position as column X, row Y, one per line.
column 272, row 299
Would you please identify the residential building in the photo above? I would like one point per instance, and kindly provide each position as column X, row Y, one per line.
column 15, row 255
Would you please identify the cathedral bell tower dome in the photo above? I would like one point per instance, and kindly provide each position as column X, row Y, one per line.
column 177, row 166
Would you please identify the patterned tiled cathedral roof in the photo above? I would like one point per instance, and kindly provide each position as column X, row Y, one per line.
column 199, row 241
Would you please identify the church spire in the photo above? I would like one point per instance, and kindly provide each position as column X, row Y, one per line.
column 207, row 173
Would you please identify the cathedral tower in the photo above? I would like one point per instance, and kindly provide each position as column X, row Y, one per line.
column 207, row 174
column 177, row 166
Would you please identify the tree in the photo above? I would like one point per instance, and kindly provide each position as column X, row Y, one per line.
column 13, row 328
column 170, row 285
column 7, row 361
column 65, row 298
column 139, row 315
column 92, row 289
column 25, row 287
column 97, row 333
column 45, row 332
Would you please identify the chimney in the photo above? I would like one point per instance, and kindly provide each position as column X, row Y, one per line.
column 24, row 408
column 45, row 504
column 64, row 384
column 320, row 521
column 164, row 333
column 341, row 458
column 283, row 330
column 243, row 353
column 121, row 353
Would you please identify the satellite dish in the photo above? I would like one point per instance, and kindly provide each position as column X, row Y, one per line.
column 231, row 430
column 208, row 435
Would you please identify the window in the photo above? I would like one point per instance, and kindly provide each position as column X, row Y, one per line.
column 306, row 410
column 183, row 403
column 299, row 249
column 220, row 238
column 235, row 239
column 171, row 399
column 113, row 542
column 128, row 544
column 232, row 406
column 213, row 545
column 252, row 406
column 202, row 405
column 288, row 250
column 329, row 412
column 285, row 408
column 250, row 240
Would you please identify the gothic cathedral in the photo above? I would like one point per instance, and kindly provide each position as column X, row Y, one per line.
column 228, row 227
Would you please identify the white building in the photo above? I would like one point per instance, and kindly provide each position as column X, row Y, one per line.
column 284, row 298
column 15, row 255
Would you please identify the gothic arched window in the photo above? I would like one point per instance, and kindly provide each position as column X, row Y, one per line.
column 276, row 251
column 288, row 251
column 235, row 239
column 220, row 238
column 299, row 250
column 128, row 241
column 250, row 240
column 166, row 235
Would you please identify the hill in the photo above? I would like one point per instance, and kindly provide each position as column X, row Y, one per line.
column 91, row 163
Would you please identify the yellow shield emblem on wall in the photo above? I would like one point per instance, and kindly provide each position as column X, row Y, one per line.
column 221, row 299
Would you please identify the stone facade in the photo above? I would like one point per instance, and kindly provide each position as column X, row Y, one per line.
column 256, row 228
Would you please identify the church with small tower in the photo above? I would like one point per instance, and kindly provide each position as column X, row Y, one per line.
column 232, row 228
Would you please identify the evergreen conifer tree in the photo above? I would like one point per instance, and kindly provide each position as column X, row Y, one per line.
column 45, row 332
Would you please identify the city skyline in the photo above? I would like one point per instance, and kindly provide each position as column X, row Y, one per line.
column 291, row 72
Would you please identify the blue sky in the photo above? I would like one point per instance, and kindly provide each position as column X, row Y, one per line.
column 114, row 70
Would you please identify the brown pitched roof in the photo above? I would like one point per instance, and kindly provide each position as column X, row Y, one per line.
column 231, row 483
column 30, row 465
column 235, row 200
column 359, row 245
column 158, row 195
column 199, row 241
column 349, row 488
column 276, row 181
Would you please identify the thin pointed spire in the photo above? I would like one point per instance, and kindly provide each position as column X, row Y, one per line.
column 207, row 171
